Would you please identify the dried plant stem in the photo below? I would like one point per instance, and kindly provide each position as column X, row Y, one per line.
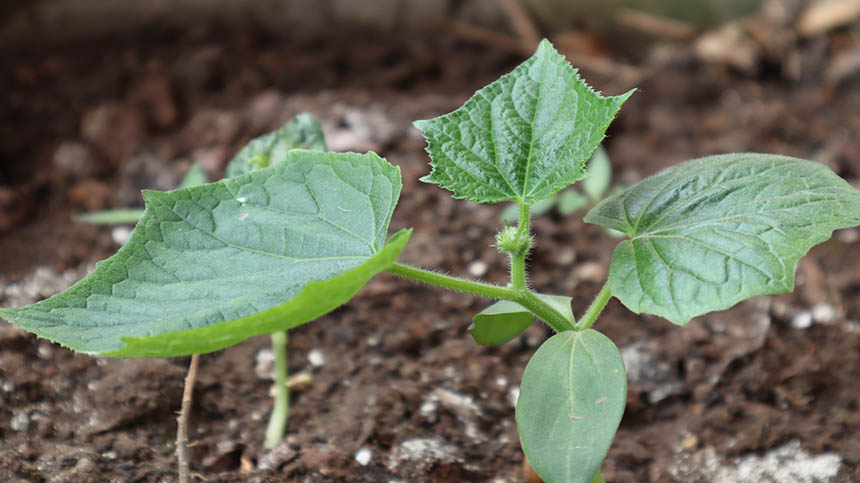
column 182, row 430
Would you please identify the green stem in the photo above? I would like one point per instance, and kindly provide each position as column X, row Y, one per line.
column 523, row 297
column 451, row 283
column 518, row 260
column 596, row 308
column 278, row 420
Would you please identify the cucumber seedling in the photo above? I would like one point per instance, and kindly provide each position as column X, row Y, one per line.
column 270, row 249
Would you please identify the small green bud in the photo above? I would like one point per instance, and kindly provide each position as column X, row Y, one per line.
column 513, row 241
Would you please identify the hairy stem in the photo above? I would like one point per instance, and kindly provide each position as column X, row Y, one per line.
column 182, row 429
column 595, row 308
column 280, row 412
column 518, row 260
column 523, row 297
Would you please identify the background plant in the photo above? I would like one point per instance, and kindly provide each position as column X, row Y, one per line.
column 703, row 236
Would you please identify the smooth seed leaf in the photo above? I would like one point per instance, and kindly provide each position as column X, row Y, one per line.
column 599, row 175
column 570, row 201
column 504, row 320
column 302, row 132
column 710, row 232
column 571, row 401
column 521, row 138
column 209, row 266
column 194, row 177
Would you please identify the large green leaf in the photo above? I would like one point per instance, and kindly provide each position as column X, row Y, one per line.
column 209, row 266
column 302, row 132
column 571, row 401
column 504, row 320
column 710, row 232
column 523, row 137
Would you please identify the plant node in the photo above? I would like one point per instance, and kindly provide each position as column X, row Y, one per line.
column 513, row 241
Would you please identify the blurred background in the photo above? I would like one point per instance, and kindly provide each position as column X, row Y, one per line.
column 103, row 98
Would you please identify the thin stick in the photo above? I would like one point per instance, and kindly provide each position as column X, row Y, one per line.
column 522, row 23
column 182, row 430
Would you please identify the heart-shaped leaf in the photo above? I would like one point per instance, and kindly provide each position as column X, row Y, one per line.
column 209, row 266
column 504, row 320
column 523, row 137
column 708, row 233
column 571, row 401
column 302, row 132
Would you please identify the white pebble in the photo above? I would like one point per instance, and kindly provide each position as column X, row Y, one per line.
column 501, row 381
column 478, row 268
column 120, row 234
column 316, row 358
column 363, row 456
column 513, row 396
column 428, row 410
column 802, row 320
column 823, row 313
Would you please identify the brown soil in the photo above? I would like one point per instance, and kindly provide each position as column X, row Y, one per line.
column 401, row 376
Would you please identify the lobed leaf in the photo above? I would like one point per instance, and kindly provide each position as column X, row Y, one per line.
column 521, row 138
column 302, row 132
column 571, row 401
column 209, row 266
column 708, row 233
column 504, row 320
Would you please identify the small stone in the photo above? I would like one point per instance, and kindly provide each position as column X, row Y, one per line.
column 514, row 396
column 77, row 160
column 690, row 442
column 120, row 234
column 590, row 272
column 264, row 366
column 20, row 421
column 428, row 410
column 850, row 235
column 280, row 455
column 823, row 313
column 802, row 320
column 478, row 268
column 8, row 386
column 45, row 350
column 501, row 381
column 463, row 406
column 316, row 358
column 363, row 456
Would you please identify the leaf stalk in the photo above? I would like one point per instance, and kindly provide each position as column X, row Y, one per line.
column 595, row 308
column 524, row 297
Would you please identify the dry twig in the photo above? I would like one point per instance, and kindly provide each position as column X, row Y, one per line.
column 182, row 430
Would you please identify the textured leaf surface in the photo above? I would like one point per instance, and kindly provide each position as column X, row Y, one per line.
column 504, row 320
column 302, row 132
column 710, row 232
column 267, row 251
column 521, row 138
column 571, row 401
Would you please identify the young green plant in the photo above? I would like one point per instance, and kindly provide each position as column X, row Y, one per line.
column 291, row 241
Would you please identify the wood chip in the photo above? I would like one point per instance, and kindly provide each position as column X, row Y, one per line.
column 654, row 25
column 821, row 17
